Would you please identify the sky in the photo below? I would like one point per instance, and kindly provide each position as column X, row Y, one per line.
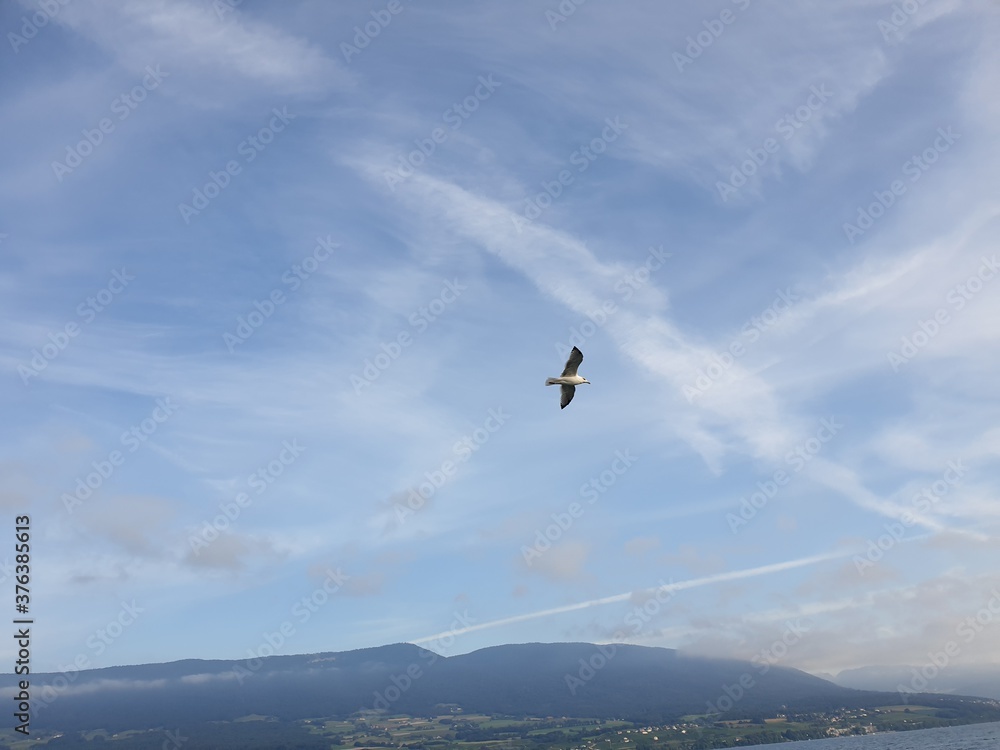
column 282, row 284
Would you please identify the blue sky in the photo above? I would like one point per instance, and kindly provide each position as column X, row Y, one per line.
column 282, row 284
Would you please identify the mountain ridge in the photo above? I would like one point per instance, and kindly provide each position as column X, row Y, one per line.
column 640, row 683
column 954, row 679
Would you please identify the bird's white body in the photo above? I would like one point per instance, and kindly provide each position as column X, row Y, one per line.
column 569, row 380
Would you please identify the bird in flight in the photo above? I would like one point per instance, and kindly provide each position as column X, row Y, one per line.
column 569, row 380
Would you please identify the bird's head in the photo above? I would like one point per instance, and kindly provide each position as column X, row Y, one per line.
column 586, row 381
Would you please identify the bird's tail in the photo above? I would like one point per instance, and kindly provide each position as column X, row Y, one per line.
column 551, row 381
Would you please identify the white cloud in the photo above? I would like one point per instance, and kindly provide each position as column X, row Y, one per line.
column 191, row 37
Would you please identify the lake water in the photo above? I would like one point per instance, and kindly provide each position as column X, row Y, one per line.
column 968, row 737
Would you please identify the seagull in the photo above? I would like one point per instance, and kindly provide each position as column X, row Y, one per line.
column 569, row 380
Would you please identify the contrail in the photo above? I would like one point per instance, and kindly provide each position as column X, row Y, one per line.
column 691, row 583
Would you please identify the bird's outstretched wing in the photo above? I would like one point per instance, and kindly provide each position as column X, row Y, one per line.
column 572, row 364
column 568, row 391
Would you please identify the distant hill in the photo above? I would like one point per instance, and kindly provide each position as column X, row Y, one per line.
column 983, row 681
column 556, row 679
